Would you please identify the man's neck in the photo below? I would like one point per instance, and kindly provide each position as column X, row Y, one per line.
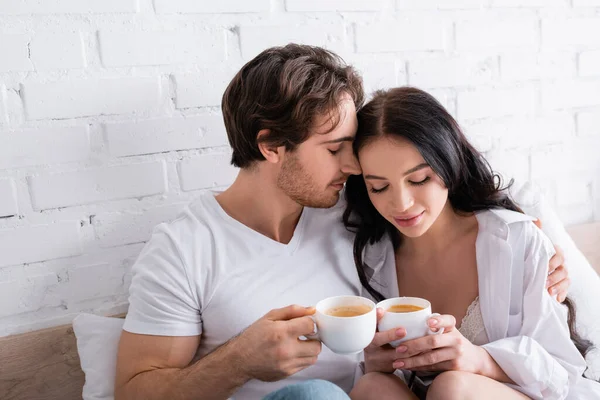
column 254, row 200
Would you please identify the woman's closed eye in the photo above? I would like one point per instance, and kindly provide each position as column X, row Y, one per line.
column 378, row 190
column 421, row 182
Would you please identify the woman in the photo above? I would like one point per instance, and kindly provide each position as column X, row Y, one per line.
column 428, row 199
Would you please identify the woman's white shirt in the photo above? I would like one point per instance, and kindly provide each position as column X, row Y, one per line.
column 526, row 328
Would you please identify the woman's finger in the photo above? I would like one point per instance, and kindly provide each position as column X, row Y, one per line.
column 446, row 321
column 427, row 359
column 425, row 344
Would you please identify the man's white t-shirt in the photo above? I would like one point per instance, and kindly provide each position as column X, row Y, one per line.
column 208, row 274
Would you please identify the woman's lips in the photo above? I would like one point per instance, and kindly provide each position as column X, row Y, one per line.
column 409, row 221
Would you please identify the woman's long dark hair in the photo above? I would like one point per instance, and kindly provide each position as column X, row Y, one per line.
column 418, row 117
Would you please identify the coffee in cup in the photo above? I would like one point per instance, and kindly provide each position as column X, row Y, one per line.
column 348, row 311
column 402, row 308
column 345, row 324
column 410, row 313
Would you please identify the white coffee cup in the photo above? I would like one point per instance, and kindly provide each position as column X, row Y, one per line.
column 344, row 335
column 414, row 322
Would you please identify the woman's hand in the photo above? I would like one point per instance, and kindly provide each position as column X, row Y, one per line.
column 449, row 351
column 558, row 281
column 379, row 355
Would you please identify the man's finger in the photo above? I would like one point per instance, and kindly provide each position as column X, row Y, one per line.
column 385, row 337
column 289, row 312
column 557, row 259
column 300, row 326
column 308, row 348
column 380, row 313
column 448, row 322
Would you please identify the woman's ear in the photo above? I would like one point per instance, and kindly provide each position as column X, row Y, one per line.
column 271, row 153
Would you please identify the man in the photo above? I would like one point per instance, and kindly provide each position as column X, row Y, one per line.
column 210, row 314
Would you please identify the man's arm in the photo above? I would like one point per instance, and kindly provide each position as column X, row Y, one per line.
column 157, row 367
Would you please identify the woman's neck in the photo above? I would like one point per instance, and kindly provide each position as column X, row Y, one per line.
column 447, row 228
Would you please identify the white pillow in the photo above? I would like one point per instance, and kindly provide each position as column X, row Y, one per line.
column 97, row 344
column 585, row 282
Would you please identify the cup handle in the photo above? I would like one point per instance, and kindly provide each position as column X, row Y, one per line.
column 439, row 331
column 315, row 335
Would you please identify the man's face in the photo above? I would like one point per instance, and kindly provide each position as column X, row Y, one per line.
column 314, row 173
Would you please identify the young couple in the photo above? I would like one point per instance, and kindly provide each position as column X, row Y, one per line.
column 220, row 296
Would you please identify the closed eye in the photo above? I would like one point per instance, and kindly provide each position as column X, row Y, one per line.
column 420, row 182
column 373, row 190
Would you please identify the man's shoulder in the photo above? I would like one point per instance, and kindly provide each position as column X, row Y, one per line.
column 195, row 219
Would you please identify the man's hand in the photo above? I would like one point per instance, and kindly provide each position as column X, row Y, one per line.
column 558, row 281
column 270, row 349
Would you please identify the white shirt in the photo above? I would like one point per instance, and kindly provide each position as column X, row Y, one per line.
column 206, row 273
column 526, row 328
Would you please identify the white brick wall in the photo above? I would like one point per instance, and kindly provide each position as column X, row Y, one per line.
column 8, row 198
column 44, row 145
column 82, row 98
column 110, row 120
column 57, row 51
column 95, row 185
column 15, row 53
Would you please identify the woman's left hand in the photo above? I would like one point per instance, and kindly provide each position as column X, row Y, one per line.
column 449, row 351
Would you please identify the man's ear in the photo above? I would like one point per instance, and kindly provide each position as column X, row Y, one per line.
column 271, row 153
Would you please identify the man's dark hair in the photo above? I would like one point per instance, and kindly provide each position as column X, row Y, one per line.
column 283, row 89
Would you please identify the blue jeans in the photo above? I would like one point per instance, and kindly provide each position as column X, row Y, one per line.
column 315, row 389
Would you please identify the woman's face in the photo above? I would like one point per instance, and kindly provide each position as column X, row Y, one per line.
column 401, row 185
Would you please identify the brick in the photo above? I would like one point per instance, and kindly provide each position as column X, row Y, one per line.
column 588, row 123
column 97, row 185
column 44, row 145
column 524, row 132
column 510, row 164
column 580, row 157
column 206, row 171
column 161, row 48
column 39, row 243
column 12, row 7
column 203, row 89
column 255, row 39
column 570, row 94
column 332, row 5
column 8, row 198
column 419, row 34
column 483, row 103
column 57, row 50
column 586, row 3
column 81, row 98
column 439, row 4
column 211, row 7
column 165, row 134
column 455, row 71
column 118, row 229
column 528, row 3
column 574, row 192
column 571, row 32
column 92, row 282
column 524, row 66
column 15, row 53
column 3, row 111
column 378, row 72
column 485, row 34
column 589, row 63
